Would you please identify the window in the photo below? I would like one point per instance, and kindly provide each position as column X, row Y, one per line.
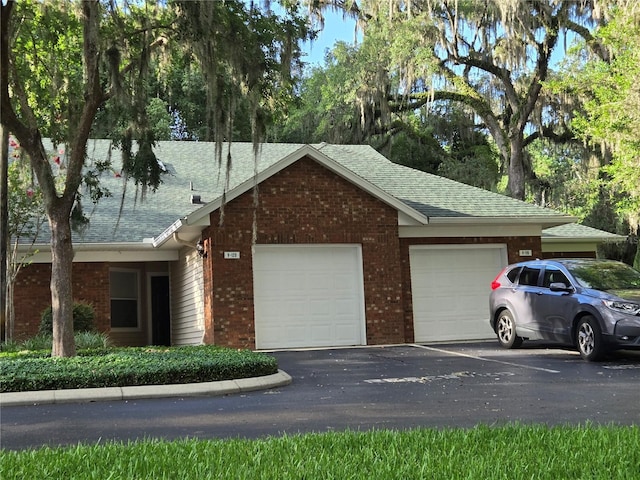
column 553, row 275
column 513, row 274
column 124, row 299
column 529, row 276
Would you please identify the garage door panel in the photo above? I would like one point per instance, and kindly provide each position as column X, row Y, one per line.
column 450, row 289
column 307, row 296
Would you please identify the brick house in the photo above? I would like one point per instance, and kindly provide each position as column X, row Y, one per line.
column 299, row 246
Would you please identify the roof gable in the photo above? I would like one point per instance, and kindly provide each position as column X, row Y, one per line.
column 324, row 160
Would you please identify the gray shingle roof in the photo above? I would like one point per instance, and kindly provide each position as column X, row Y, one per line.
column 429, row 194
column 575, row 231
column 193, row 170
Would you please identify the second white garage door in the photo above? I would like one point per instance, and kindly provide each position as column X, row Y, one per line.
column 308, row 296
column 450, row 287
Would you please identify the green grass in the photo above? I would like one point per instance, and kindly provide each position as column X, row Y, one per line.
column 510, row 452
column 117, row 367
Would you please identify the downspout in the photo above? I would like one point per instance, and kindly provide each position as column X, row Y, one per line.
column 197, row 246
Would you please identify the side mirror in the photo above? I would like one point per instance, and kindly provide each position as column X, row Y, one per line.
column 560, row 287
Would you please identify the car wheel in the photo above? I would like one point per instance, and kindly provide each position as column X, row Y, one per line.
column 589, row 339
column 506, row 330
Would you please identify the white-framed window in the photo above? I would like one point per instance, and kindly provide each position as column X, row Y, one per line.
column 125, row 299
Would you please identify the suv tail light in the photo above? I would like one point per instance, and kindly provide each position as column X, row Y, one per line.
column 496, row 283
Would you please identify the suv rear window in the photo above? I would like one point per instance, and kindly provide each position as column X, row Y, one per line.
column 529, row 276
column 512, row 275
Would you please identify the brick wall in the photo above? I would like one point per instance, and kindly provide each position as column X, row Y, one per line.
column 33, row 295
column 303, row 204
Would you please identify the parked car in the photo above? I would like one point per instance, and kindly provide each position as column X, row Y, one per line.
column 593, row 305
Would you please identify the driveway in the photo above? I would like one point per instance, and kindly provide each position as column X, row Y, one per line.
column 400, row 387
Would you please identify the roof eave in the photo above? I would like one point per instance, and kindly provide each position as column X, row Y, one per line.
column 545, row 221
column 604, row 239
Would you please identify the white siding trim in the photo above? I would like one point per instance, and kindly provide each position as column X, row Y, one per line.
column 187, row 299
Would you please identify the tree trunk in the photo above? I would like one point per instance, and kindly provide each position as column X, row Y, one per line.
column 4, row 231
column 636, row 260
column 515, row 186
column 61, row 287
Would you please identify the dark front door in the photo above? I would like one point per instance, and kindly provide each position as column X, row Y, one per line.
column 160, row 311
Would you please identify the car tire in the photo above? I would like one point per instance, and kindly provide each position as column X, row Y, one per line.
column 506, row 330
column 589, row 339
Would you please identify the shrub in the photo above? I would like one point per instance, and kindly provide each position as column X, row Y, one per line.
column 83, row 318
column 118, row 367
column 42, row 343
column 92, row 340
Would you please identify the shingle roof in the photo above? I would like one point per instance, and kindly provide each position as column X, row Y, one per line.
column 193, row 170
column 431, row 195
column 576, row 231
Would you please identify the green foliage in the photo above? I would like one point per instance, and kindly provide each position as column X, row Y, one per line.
column 47, row 57
column 486, row 57
column 83, row 319
column 513, row 451
column 420, row 152
column 117, row 367
column 92, row 340
column 610, row 101
column 26, row 211
column 42, row 343
column 324, row 110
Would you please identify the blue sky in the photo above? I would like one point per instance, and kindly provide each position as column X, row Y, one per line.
column 335, row 28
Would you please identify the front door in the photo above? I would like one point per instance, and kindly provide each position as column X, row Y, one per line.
column 160, row 310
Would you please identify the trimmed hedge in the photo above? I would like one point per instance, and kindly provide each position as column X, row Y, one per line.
column 119, row 367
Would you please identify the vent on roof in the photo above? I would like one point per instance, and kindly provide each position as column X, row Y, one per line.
column 195, row 199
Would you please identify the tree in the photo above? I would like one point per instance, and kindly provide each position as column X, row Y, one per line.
column 326, row 109
column 490, row 57
column 609, row 100
column 64, row 61
column 19, row 115
column 25, row 219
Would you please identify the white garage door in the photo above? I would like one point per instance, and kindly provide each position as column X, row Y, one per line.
column 450, row 288
column 308, row 296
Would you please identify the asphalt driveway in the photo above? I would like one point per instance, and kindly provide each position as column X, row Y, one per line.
column 400, row 387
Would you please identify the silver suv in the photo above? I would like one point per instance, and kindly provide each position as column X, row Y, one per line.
column 593, row 305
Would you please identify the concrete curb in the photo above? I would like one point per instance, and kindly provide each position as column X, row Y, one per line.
column 224, row 387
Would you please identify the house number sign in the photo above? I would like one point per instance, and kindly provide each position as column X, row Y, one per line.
column 232, row 255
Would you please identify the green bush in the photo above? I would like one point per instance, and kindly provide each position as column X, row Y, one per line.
column 124, row 366
column 83, row 319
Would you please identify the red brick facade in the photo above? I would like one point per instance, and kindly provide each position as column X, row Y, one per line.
column 33, row 295
column 303, row 204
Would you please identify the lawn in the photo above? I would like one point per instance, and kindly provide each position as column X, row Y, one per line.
column 509, row 452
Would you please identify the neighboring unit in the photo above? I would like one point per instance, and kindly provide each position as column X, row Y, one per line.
column 297, row 246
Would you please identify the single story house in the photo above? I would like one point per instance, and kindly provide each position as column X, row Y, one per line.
column 295, row 246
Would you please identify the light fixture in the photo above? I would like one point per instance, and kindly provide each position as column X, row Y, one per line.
column 200, row 249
